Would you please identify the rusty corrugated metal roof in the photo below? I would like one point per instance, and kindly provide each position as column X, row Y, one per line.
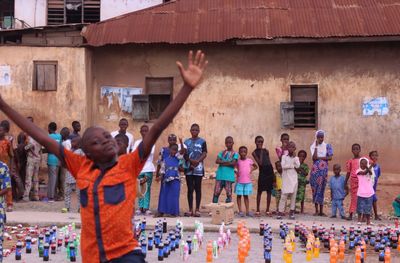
column 199, row 21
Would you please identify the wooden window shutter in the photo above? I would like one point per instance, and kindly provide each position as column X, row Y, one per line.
column 287, row 115
column 140, row 107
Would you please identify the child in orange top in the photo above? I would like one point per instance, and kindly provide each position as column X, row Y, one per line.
column 107, row 183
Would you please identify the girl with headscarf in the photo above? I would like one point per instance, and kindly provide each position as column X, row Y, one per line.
column 321, row 153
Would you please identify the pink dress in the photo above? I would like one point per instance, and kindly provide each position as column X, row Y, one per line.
column 352, row 166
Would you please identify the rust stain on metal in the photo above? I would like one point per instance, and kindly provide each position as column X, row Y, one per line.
column 200, row 21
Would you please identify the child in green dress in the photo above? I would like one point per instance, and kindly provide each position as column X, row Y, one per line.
column 302, row 172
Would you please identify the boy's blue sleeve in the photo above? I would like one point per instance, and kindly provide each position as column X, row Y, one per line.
column 236, row 156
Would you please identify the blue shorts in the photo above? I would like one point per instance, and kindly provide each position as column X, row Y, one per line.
column 364, row 205
column 244, row 189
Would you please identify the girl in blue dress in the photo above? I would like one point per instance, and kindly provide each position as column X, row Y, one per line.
column 168, row 202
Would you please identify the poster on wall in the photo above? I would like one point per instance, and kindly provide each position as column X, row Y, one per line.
column 375, row 106
column 5, row 75
column 123, row 94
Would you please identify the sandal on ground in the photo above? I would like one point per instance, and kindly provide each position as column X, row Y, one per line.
column 268, row 214
column 241, row 214
column 323, row 215
column 188, row 214
column 257, row 214
column 197, row 214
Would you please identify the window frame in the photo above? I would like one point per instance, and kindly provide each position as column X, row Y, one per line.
column 313, row 86
column 153, row 94
column 34, row 77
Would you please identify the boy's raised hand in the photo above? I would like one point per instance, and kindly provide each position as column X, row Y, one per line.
column 191, row 76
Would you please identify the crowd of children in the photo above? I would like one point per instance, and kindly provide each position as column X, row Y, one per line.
column 287, row 183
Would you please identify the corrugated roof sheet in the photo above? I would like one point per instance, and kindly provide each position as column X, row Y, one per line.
column 198, row 21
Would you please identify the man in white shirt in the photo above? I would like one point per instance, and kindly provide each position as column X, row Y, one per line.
column 123, row 125
column 147, row 171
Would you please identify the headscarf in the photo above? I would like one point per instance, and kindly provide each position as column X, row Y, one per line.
column 321, row 148
column 361, row 170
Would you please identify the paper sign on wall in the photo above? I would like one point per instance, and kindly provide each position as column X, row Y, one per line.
column 379, row 106
column 5, row 75
column 124, row 96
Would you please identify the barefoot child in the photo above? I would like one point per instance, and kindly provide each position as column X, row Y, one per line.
column 277, row 191
column 290, row 163
column 168, row 202
column 70, row 182
column 282, row 150
column 365, row 191
column 266, row 173
column 147, row 172
column 226, row 160
column 352, row 166
column 194, row 169
column 244, row 187
column 53, row 163
column 108, row 183
column 336, row 183
column 302, row 173
column 123, row 145
column 377, row 171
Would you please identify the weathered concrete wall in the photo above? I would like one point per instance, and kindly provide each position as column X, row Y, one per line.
column 112, row 8
column 63, row 106
column 33, row 12
column 244, row 85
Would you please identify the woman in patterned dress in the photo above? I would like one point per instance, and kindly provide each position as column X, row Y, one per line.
column 321, row 153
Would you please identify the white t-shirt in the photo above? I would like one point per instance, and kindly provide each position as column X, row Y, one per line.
column 130, row 142
column 148, row 166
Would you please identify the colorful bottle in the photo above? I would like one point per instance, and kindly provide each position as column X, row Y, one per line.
column 72, row 254
column 46, row 252
column 387, row 255
column 308, row 251
column 317, row 246
column 289, row 257
column 53, row 248
column 18, row 250
column 164, row 225
column 209, row 256
column 358, row 254
column 342, row 248
column 160, row 251
column 28, row 244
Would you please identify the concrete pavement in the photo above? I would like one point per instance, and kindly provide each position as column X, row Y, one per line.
column 61, row 219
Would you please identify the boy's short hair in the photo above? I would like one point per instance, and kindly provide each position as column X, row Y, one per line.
column 302, row 151
column 122, row 137
column 242, row 147
column 74, row 123
column 284, row 134
column 336, row 165
column 258, row 137
column 52, row 126
column 6, row 125
column 228, row 137
column 356, row 144
column 372, row 152
column 123, row 119
column 194, row 125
